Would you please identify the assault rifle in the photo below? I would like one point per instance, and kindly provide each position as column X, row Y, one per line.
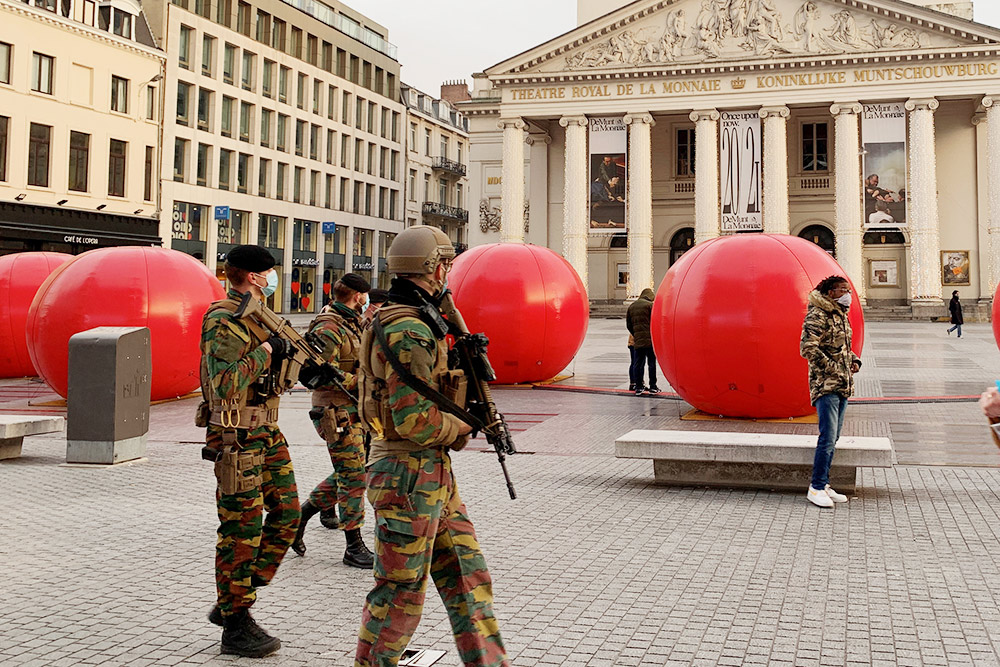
column 304, row 350
column 469, row 354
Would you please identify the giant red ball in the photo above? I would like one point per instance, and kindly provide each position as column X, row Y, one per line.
column 21, row 275
column 165, row 290
column 529, row 302
column 727, row 321
column 995, row 316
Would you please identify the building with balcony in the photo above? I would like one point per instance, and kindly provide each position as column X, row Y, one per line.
column 79, row 126
column 283, row 127
column 436, row 155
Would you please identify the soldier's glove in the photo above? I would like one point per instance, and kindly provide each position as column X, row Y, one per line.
column 280, row 348
column 313, row 376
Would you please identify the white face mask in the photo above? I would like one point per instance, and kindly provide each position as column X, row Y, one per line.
column 845, row 300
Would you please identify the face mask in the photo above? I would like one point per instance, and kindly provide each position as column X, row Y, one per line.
column 272, row 284
column 362, row 307
column 845, row 300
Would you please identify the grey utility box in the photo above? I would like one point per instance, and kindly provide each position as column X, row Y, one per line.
column 108, row 398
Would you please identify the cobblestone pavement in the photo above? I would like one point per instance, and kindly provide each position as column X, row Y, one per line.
column 593, row 564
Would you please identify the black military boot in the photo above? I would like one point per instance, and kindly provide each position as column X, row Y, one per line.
column 357, row 554
column 242, row 636
column 308, row 511
column 215, row 616
column 329, row 519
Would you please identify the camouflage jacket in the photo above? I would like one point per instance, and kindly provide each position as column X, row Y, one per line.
column 232, row 358
column 826, row 345
column 340, row 332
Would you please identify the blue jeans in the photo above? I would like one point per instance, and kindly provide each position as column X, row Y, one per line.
column 643, row 355
column 957, row 326
column 831, row 409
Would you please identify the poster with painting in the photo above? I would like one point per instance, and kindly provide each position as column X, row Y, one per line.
column 623, row 274
column 608, row 190
column 954, row 267
column 883, row 140
column 883, row 273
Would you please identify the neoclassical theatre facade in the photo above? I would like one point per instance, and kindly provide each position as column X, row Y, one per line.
column 870, row 128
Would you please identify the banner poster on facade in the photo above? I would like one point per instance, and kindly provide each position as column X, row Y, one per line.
column 740, row 156
column 883, row 139
column 608, row 157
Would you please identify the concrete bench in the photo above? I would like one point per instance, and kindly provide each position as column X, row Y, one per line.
column 13, row 428
column 749, row 460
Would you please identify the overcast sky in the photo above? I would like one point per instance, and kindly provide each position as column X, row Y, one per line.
column 443, row 40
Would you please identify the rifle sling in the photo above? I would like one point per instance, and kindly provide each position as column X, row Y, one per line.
column 421, row 387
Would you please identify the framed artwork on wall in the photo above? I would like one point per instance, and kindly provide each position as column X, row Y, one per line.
column 954, row 267
column 622, row 274
column 883, row 273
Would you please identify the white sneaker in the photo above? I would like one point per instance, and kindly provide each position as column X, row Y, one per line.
column 819, row 498
column 834, row 496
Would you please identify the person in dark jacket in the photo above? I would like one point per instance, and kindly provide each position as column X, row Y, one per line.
column 955, row 306
column 637, row 320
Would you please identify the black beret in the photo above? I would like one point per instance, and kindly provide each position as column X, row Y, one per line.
column 250, row 258
column 355, row 282
column 378, row 295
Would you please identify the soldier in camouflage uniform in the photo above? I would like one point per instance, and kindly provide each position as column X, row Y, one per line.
column 422, row 527
column 335, row 416
column 254, row 471
column 826, row 344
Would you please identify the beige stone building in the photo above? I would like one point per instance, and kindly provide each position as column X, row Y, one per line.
column 79, row 126
column 437, row 154
column 815, row 78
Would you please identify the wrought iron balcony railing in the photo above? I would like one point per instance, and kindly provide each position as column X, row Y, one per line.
column 451, row 166
column 444, row 211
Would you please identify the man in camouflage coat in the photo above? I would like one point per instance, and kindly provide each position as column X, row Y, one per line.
column 422, row 527
column 826, row 344
column 238, row 366
column 335, row 416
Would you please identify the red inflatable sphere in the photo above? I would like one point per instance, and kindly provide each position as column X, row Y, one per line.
column 727, row 321
column 165, row 290
column 996, row 316
column 529, row 302
column 21, row 275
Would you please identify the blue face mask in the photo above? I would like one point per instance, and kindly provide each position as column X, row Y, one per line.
column 272, row 284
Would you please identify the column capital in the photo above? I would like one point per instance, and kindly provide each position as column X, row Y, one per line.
column 979, row 118
column 699, row 115
column 774, row 112
column 566, row 121
column 533, row 139
column 516, row 123
column 921, row 104
column 989, row 100
column 641, row 117
column 843, row 108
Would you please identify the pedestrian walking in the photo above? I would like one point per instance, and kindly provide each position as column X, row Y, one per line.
column 631, row 361
column 637, row 320
column 826, row 345
column 422, row 526
column 955, row 307
column 240, row 371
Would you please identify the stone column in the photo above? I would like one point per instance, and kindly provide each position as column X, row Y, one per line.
column 212, row 239
column 576, row 211
column 512, row 192
column 706, row 174
column 775, row 169
column 991, row 267
column 640, row 204
column 285, row 298
column 922, row 205
column 317, row 297
column 848, row 203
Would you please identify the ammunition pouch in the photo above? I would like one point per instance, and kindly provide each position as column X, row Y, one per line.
column 230, row 469
column 331, row 422
column 454, row 385
column 202, row 414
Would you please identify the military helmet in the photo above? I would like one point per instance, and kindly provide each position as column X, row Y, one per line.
column 417, row 250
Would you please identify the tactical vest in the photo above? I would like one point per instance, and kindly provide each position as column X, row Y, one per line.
column 373, row 396
column 259, row 406
column 348, row 359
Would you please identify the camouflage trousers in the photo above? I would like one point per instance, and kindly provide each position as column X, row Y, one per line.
column 250, row 547
column 344, row 489
column 422, row 529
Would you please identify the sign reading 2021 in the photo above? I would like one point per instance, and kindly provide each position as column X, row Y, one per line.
column 740, row 158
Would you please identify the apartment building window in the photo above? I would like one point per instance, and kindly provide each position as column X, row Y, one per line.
column 317, row 96
column 331, row 104
column 223, row 10
column 383, row 162
column 297, row 185
column 328, row 203
column 267, row 75
column 369, row 199
column 123, row 24
column 201, row 8
column 279, row 183
column 427, row 187
column 184, row 47
column 685, row 152
column 229, row 64
column 246, row 120
column 445, row 146
column 313, row 188
column 79, row 160
column 204, row 109
column 341, row 63
column 393, row 196
column 443, row 191
column 300, row 91
column 116, row 168
column 227, row 116
column 314, row 142
column 41, row 73
column 359, row 112
column 183, row 102
column 89, row 12
column 225, row 169
column 242, row 173
column 395, row 126
column 458, row 195
column 5, row 51
column 282, row 131
column 263, row 26
column 243, row 18
column 39, row 141
column 202, row 166
column 278, row 34
column 354, row 76
column 207, row 55
column 150, row 102
column 358, row 185
column 411, row 185
column 393, row 161
column 345, row 149
column 379, row 81
column 458, row 152
column 359, row 147
column 345, row 108
column 283, row 84
column 384, row 130
column 372, row 117
column 383, row 194
column 345, row 186
column 263, row 170
column 119, row 94
column 4, row 133
column 413, row 137
column 180, row 159
column 300, row 137
column 265, row 127
column 815, row 156
column 331, row 146
column 248, row 70
column 427, row 142
column 296, row 45
column 147, row 180
column 312, row 50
